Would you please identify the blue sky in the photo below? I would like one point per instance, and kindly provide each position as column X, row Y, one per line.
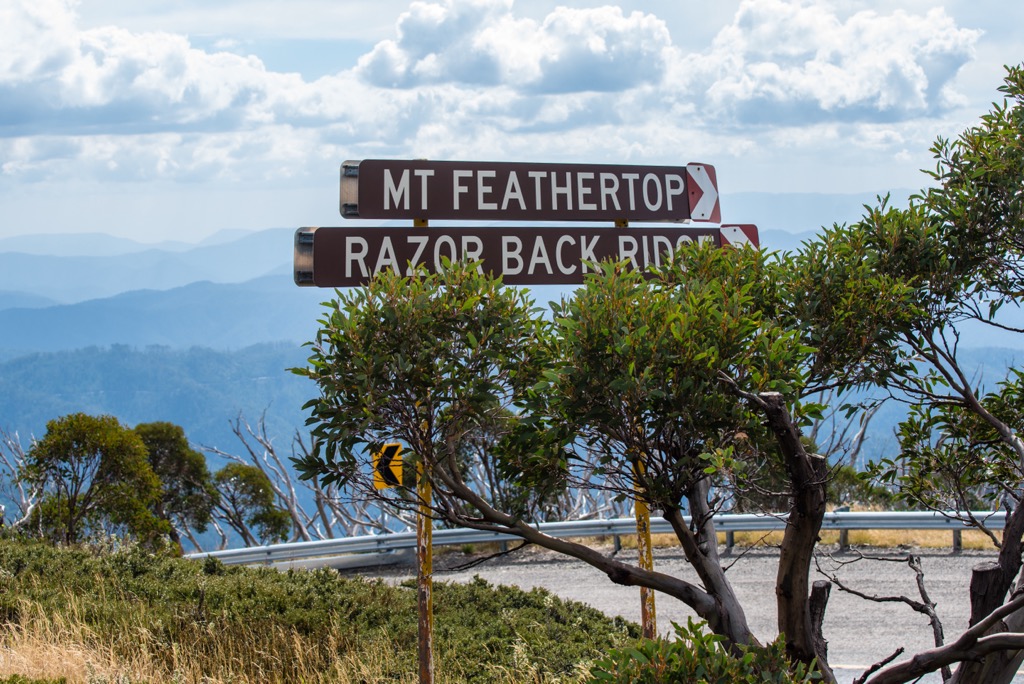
column 172, row 120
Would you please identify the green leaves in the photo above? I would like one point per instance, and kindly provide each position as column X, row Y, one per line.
column 95, row 477
column 694, row 655
column 425, row 361
column 654, row 367
column 657, row 366
column 246, row 504
column 958, row 253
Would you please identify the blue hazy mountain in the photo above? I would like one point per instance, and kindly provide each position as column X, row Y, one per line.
column 800, row 213
column 214, row 315
column 195, row 334
column 201, row 389
column 103, row 245
column 104, row 267
column 24, row 300
column 83, row 245
column 72, row 268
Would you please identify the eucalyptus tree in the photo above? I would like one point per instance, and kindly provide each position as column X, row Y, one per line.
column 961, row 243
column 245, row 503
column 94, row 478
column 660, row 387
column 187, row 491
column 669, row 387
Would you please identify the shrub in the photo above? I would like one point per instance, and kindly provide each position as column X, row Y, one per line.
column 697, row 656
column 157, row 617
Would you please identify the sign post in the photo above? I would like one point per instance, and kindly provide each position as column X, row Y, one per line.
column 387, row 473
column 425, row 576
column 645, row 552
column 422, row 190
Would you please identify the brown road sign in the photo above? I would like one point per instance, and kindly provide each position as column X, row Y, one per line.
column 348, row 257
column 493, row 191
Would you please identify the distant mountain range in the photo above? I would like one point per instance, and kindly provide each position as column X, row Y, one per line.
column 201, row 389
column 101, row 244
column 229, row 303
column 216, row 316
column 71, row 279
column 39, row 270
column 196, row 334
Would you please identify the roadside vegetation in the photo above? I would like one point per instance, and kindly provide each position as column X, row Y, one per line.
column 98, row 615
column 695, row 389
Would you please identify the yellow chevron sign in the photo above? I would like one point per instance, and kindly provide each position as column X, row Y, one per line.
column 387, row 466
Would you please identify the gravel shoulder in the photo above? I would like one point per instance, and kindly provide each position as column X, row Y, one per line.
column 859, row 633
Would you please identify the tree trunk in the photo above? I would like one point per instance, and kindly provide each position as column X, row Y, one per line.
column 987, row 584
column 999, row 667
column 978, row 644
column 701, row 549
column 808, row 474
column 819, row 601
column 990, row 583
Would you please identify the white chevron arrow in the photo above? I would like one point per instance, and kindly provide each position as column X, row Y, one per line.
column 735, row 235
column 704, row 209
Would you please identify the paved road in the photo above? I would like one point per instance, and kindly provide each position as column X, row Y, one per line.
column 859, row 633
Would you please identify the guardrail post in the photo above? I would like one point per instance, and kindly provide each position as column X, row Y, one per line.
column 958, row 541
column 730, row 540
column 844, row 540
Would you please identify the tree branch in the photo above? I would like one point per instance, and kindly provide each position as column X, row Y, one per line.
column 973, row 644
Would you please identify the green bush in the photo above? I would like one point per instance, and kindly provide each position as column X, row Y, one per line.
column 697, row 656
column 242, row 622
column 847, row 486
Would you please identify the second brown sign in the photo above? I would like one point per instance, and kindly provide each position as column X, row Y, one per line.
column 348, row 257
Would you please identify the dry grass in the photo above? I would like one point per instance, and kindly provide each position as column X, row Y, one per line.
column 54, row 648
column 42, row 646
column 47, row 644
column 61, row 646
column 57, row 646
column 51, row 648
column 925, row 539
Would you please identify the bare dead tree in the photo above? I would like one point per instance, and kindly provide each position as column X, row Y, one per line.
column 925, row 606
column 835, row 433
column 261, row 452
column 333, row 513
column 973, row 645
column 320, row 512
column 13, row 487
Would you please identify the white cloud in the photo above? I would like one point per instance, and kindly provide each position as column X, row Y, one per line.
column 362, row 20
column 472, row 79
column 601, row 49
column 435, row 44
column 482, row 43
column 108, row 80
column 799, row 61
column 37, row 39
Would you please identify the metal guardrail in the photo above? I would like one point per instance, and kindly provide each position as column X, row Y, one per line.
column 390, row 543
